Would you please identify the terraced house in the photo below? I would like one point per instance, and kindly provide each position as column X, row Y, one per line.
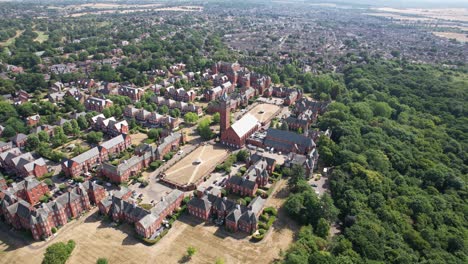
column 40, row 220
column 122, row 209
column 221, row 210
column 97, row 104
column 109, row 125
column 134, row 93
column 144, row 155
column 22, row 164
column 97, row 155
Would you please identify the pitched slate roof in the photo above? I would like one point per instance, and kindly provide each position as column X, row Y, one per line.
column 243, row 182
column 288, row 139
column 201, row 203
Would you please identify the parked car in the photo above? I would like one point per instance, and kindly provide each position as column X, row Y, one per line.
column 313, row 185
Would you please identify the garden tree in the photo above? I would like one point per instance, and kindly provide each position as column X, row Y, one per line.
column 25, row 59
column 7, row 110
column 17, row 125
column 30, row 82
column 7, row 86
column 67, row 128
column 204, row 129
column 107, row 112
column 82, row 122
column 59, row 137
column 323, row 228
column 94, row 137
column 58, row 253
column 190, row 118
column 43, row 136
column 32, row 142
column 175, row 113
column 75, row 127
column 27, row 109
column 154, row 133
column 275, row 78
column 71, row 104
column 242, row 155
column 163, row 110
column 216, row 118
column 296, row 174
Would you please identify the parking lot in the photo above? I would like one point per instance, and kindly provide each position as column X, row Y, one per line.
column 153, row 192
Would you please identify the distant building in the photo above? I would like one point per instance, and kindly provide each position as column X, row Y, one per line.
column 97, row 104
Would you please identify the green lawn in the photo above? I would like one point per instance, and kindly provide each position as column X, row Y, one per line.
column 41, row 36
column 11, row 40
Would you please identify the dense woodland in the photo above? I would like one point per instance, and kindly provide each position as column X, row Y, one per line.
column 399, row 153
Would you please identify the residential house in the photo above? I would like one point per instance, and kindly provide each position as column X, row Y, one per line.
column 97, row 104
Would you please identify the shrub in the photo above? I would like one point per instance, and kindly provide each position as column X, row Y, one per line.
column 271, row 211
column 247, row 200
column 242, row 170
column 271, row 221
column 257, row 237
column 78, row 179
column 43, row 199
column 58, row 253
column 54, row 230
column 146, row 206
column 102, row 261
column 156, row 164
column 264, row 217
column 48, row 182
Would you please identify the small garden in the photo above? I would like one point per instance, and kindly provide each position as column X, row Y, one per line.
column 266, row 220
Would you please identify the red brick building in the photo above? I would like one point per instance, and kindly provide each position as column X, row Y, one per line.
column 236, row 135
column 97, row 104
column 147, row 223
column 220, row 210
column 180, row 94
column 33, row 120
column 91, row 158
column 135, row 94
column 22, row 215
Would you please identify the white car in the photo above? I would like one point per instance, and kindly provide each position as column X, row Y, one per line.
column 180, row 152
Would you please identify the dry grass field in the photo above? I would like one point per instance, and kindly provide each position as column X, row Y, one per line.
column 451, row 35
column 459, row 14
column 95, row 239
column 264, row 111
column 187, row 171
column 138, row 138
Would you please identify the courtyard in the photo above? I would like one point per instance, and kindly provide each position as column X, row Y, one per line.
column 264, row 112
column 196, row 164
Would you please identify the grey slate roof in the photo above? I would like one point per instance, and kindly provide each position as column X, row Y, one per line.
column 241, row 181
column 292, row 139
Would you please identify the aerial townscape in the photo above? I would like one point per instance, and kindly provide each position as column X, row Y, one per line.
column 213, row 131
